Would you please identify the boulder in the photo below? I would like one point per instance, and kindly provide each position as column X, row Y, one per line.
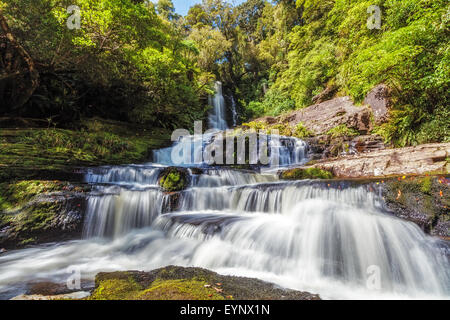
column 379, row 100
column 174, row 179
column 178, row 283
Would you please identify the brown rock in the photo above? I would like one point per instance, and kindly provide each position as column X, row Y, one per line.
column 388, row 162
column 325, row 95
column 267, row 119
column 322, row 117
column 379, row 100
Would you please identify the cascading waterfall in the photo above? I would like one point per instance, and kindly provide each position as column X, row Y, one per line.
column 234, row 111
column 322, row 237
column 217, row 116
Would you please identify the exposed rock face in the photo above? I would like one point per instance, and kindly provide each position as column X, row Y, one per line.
column 178, row 283
column 379, row 100
column 325, row 95
column 404, row 161
column 321, row 118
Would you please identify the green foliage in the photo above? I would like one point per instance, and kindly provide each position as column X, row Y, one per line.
column 302, row 132
column 132, row 62
column 125, row 62
column 342, row 131
column 274, row 103
column 330, row 44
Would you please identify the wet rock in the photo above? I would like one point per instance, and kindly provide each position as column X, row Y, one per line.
column 422, row 200
column 381, row 163
column 46, row 288
column 379, row 100
column 68, row 296
column 53, row 215
column 175, row 283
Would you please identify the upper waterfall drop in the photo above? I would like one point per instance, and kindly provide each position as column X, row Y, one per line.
column 217, row 116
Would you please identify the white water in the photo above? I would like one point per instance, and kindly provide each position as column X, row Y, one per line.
column 320, row 237
column 217, row 116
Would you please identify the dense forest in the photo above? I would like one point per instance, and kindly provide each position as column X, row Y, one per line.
column 141, row 62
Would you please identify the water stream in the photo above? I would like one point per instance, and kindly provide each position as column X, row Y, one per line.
column 314, row 236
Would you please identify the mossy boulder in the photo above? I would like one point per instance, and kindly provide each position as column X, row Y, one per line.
column 178, row 283
column 174, row 179
column 424, row 200
column 35, row 211
column 306, row 173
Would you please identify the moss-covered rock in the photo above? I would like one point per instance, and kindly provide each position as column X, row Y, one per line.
column 95, row 142
column 178, row 283
column 174, row 179
column 40, row 211
column 423, row 200
column 306, row 173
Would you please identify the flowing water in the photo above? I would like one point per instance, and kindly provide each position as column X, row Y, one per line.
column 322, row 237
column 217, row 116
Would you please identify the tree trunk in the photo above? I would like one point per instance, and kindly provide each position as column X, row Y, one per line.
column 18, row 99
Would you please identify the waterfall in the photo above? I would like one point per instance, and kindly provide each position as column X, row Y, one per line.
column 307, row 235
column 217, row 115
column 234, row 111
column 321, row 237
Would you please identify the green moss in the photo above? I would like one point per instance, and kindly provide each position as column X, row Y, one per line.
column 308, row 173
column 342, row 131
column 15, row 194
column 180, row 289
column 37, row 218
column 428, row 196
column 173, row 179
column 96, row 142
column 426, row 185
column 116, row 289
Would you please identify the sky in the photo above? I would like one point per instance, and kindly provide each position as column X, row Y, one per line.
column 182, row 6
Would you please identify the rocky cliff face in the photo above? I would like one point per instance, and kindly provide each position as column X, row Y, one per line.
column 429, row 158
column 323, row 117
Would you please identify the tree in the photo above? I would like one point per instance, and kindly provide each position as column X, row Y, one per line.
column 14, row 91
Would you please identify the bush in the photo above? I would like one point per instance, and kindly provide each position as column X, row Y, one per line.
column 342, row 131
